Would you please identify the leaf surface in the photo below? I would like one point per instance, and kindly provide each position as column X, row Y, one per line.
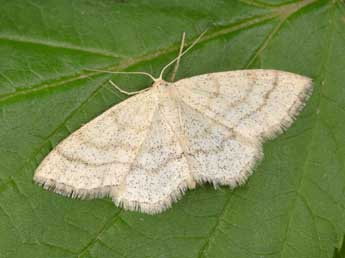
column 293, row 205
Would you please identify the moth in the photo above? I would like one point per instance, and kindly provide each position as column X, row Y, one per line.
column 146, row 151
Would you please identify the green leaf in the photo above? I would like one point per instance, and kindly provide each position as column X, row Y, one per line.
column 293, row 205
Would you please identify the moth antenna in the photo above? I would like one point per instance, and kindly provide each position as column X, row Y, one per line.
column 182, row 54
column 172, row 78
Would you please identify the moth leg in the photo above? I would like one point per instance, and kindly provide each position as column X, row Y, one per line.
column 127, row 92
